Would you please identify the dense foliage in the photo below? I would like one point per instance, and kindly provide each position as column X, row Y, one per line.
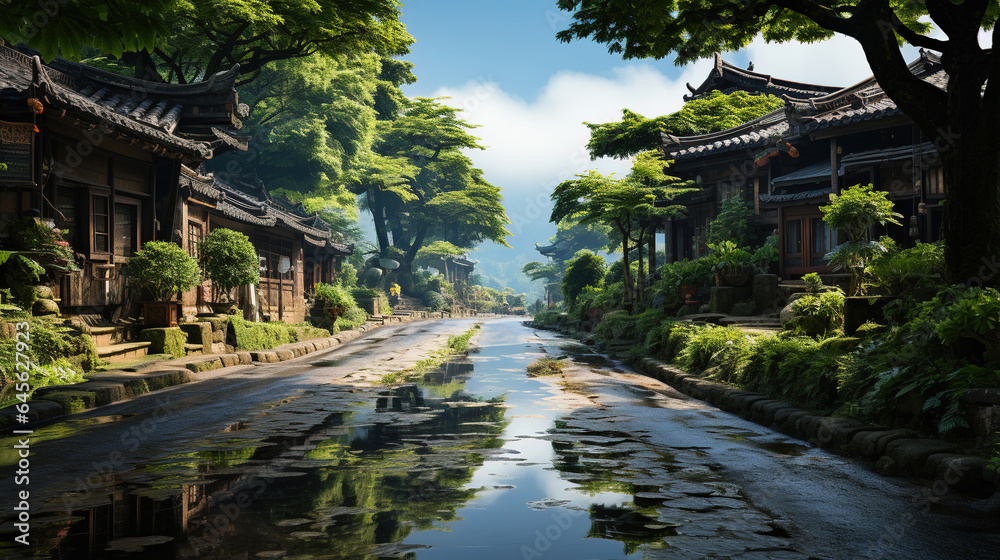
column 854, row 211
column 163, row 269
column 228, row 259
column 716, row 111
column 586, row 269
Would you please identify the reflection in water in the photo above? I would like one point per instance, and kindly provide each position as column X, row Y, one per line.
column 472, row 461
column 390, row 462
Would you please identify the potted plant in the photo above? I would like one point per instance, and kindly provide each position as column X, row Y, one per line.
column 229, row 260
column 161, row 269
column 735, row 266
column 690, row 276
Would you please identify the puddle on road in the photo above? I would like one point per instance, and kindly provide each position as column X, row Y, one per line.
column 475, row 459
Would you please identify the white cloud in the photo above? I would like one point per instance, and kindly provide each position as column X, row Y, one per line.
column 535, row 145
column 839, row 61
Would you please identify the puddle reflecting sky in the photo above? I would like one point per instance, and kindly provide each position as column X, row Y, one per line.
column 475, row 460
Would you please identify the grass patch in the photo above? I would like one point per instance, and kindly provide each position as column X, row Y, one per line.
column 458, row 344
column 546, row 366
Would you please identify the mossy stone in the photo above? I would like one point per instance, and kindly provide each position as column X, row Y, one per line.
column 45, row 307
column 166, row 340
column 199, row 333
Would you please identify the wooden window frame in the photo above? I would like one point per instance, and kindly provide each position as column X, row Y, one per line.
column 803, row 215
column 137, row 226
column 192, row 243
column 92, row 195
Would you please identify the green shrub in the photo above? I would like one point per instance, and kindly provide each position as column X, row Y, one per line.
column 433, row 301
column 169, row 340
column 767, row 253
column 964, row 312
column 671, row 337
column 360, row 294
column 228, row 259
column 305, row 331
column 796, row 369
column 347, row 276
column 259, row 336
column 586, row 304
column 585, row 270
column 617, row 325
column 459, row 344
column 546, row 366
column 732, row 223
column 909, row 273
column 351, row 319
column 854, row 211
column 724, row 350
column 162, row 268
column 814, row 284
column 818, row 315
column 335, row 295
column 911, row 361
column 59, row 354
column 616, row 271
column 547, row 317
column 732, row 259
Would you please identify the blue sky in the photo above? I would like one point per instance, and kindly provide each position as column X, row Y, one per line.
column 513, row 43
column 500, row 63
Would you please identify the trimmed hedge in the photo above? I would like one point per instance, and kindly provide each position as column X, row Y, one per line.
column 264, row 336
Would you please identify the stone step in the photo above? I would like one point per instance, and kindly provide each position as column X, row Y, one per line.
column 124, row 351
column 756, row 320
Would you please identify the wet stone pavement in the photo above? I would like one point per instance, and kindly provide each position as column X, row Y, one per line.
column 477, row 460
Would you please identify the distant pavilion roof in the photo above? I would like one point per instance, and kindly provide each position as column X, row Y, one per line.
column 554, row 251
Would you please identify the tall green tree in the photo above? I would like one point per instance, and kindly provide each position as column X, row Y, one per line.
column 621, row 203
column 422, row 187
column 206, row 37
column 63, row 28
column 958, row 119
column 716, row 111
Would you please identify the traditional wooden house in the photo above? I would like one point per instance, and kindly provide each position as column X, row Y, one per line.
column 297, row 249
column 788, row 162
column 99, row 155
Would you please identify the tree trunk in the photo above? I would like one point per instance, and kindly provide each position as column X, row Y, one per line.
column 640, row 279
column 627, row 275
column 971, row 225
column 380, row 233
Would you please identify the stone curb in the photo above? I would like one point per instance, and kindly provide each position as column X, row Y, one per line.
column 117, row 386
column 896, row 452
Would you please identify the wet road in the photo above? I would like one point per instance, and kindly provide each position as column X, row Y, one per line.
column 315, row 459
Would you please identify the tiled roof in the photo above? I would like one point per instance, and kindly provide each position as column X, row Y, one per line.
column 865, row 101
column 727, row 77
column 249, row 202
column 808, row 174
column 555, row 250
column 798, row 196
column 155, row 112
column 887, row 154
column 759, row 132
